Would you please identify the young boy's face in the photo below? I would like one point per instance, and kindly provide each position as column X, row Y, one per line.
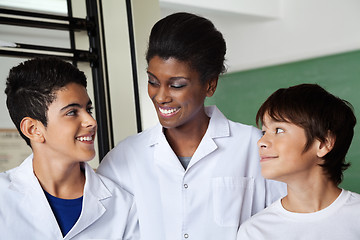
column 71, row 129
column 282, row 155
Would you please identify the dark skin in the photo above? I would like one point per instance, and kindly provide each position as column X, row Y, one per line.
column 184, row 142
column 178, row 95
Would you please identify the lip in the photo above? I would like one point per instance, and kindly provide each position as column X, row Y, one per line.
column 86, row 138
column 167, row 111
column 264, row 158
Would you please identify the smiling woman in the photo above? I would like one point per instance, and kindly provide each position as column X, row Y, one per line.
column 195, row 174
column 178, row 95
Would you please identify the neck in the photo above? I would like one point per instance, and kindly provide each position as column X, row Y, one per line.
column 62, row 180
column 307, row 198
column 185, row 140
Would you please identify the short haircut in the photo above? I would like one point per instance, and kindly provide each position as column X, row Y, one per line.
column 319, row 113
column 192, row 39
column 31, row 87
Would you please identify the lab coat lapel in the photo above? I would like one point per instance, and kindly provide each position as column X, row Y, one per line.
column 218, row 127
column 36, row 208
column 92, row 209
column 206, row 146
column 164, row 156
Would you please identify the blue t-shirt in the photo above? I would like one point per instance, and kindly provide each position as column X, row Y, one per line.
column 66, row 211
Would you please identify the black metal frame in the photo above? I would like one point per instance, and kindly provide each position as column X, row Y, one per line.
column 105, row 138
column 40, row 20
column 68, row 23
column 93, row 56
column 133, row 63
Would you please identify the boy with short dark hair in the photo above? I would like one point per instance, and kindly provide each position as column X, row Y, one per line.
column 54, row 193
column 306, row 134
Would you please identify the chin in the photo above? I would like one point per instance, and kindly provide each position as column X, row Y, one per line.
column 268, row 174
column 88, row 157
column 167, row 125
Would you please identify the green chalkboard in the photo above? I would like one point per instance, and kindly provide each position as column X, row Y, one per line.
column 239, row 95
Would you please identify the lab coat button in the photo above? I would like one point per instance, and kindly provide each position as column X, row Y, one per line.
column 186, row 235
column 185, row 185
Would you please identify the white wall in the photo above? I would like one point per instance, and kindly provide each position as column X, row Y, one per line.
column 305, row 29
column 145, row 14
column 119, row 69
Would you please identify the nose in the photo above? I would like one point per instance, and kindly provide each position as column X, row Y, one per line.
column 89, row 121
column 263, row 142
column 162, row 95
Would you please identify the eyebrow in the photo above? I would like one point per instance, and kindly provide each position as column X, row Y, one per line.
column 77, row 105
column 171, row 79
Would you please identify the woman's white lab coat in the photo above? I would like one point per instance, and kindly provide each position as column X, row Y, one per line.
column 220, row 189
column 108, row 212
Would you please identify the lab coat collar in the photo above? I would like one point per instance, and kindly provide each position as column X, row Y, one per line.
column 218, row 127
column 23, row 180
column 219, row 124
column 94, row 192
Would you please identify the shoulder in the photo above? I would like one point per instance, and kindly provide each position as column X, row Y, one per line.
column 103, row 187
column 7, row 176
column 4, row 180
column 245, row 129
column 141, row 139
column 244, row 134
column 353, row 199
column 270, row 212
column 9, row 186
column 236, row 130
column 116, row 190
column 260, row 220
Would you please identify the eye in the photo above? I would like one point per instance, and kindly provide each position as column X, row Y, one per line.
column 72, row 112
column 178, row 85
column 152, row 81
column 279, row 130
column 263, row 133
column 90, row 110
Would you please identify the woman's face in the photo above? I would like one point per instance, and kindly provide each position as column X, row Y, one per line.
column 177, row 92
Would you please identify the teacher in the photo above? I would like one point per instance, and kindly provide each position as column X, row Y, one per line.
column 195, row 175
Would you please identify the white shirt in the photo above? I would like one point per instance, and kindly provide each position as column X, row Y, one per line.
column 108, row 212
column 338, row 221
column 221, row 187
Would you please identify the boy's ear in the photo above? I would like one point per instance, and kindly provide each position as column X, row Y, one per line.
column 326, row 146
column 212, row 84
column 32, row 129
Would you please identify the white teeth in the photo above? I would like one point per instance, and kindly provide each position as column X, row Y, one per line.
column 81, row 139
column 167, row 111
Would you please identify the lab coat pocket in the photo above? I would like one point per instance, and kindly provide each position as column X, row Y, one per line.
column 232, row 200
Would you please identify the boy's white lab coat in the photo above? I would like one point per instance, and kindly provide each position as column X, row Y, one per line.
column 108, row 212
column 220, row 189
